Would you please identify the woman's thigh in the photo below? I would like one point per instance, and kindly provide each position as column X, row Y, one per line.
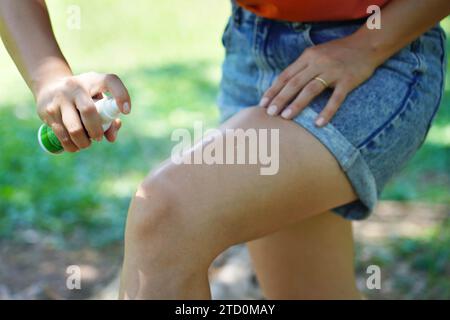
column 312, row 259
column 220, row 205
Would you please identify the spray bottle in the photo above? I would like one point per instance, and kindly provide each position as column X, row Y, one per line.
column 108, row 111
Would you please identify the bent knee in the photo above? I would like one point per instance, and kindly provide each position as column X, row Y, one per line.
column 165, row 202
column 154, row 207
column 168, row 209
column 162, row 221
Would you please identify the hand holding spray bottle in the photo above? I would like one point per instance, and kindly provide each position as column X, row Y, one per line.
column 108, row 111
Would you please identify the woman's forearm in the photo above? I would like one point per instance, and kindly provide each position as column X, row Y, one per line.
column 402, row 21
column 27, row 34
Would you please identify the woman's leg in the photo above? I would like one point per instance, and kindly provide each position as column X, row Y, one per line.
column 183, row 216
column 312, row 259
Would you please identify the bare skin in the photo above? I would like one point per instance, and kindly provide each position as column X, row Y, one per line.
column 312, row 259
column 181, row 217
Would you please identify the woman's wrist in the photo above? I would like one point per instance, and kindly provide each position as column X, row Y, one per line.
column 371, row 43
column 49, row 72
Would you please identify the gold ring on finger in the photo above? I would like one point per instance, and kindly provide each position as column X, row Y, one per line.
column 326, row 85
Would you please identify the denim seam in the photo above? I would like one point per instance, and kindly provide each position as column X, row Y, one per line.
column 416, row 48
column 442, row 85
column 346, row 165
column 306, row 34
column 269, row 56
column 367, row 201
column 443, row 68
column 255, row 51
column 403, row 106
column 258, row 48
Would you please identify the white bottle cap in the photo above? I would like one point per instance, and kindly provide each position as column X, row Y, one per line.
column 108, row 110
column 108, row 107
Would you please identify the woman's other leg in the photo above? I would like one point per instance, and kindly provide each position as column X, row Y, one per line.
column 312, row 259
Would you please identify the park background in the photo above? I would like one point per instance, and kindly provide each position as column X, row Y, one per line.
column 71, row 209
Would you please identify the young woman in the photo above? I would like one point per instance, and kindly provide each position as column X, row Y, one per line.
column 352, row 105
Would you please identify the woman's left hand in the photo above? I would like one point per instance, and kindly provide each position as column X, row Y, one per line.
column 337, row 64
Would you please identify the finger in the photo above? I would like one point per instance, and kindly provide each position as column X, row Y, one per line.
column 281, row 81
column 89, row 115
column 289, row 91
column 72, row 122
column 63, row 137
column 111, row 133
column 337, row 98
column 112, row 83
column 308, row 93
column 55, row 122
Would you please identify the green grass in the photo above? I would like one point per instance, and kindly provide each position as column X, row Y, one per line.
column 412, row 268
column 169, row 54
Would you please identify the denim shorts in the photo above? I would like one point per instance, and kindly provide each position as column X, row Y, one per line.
column 381, row 124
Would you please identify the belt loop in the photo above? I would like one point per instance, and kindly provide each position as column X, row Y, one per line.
column 298, row 26
column 237, row 15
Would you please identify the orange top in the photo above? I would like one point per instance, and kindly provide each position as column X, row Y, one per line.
column 310, row 10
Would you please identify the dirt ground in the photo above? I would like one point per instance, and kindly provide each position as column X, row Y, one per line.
column 33, row 265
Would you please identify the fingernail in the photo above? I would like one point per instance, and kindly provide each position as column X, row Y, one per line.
column 286, row 113
column 126, row 107
column 320, row 122
column 272, row 110
column 263, row 102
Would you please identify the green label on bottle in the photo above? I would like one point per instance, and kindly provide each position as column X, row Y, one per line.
column 48, row 140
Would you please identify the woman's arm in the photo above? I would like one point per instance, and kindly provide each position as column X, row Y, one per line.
column 64, row 101
column 27, row 34
column 346, row 63
column 402, row 21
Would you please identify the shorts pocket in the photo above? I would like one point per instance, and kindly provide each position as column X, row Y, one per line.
column 318, row 33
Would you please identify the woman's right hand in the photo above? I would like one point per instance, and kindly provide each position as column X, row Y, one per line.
column 67, row 106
